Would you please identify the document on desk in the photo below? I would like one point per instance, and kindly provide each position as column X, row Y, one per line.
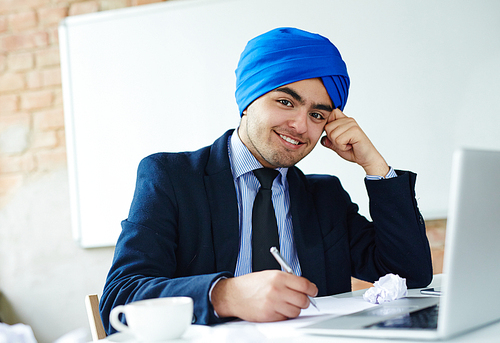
column 330, row 306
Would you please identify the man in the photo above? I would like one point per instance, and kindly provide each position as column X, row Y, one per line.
column 190, row 226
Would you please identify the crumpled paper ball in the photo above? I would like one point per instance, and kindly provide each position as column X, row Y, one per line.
column 17, row 333
column 388, row 288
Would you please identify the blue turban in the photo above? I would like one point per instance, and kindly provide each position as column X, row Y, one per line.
column 285, row 55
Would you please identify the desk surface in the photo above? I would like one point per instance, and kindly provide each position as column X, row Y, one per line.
column 250, row 332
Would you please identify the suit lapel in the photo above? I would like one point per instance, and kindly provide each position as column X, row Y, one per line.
column 307, row 233
column 221, row 196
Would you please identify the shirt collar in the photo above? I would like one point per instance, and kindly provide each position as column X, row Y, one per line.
column 241, row 159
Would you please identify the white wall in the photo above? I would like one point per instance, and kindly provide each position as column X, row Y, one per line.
column 44, row 274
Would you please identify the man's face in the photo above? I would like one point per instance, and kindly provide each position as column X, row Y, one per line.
column 281, row 127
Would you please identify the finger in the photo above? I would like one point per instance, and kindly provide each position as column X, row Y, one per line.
column 344, row 141
column 289, row 303
column 338, row 114
column 301, row 285
column 326, row 142
column 341, row 131
column 289, row 310
column 339, row 125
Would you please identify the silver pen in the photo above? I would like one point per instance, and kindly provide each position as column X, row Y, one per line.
column 288, row 269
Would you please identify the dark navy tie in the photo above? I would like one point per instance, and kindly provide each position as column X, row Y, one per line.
column 264, row 226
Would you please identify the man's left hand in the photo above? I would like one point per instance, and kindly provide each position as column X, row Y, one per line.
column 345, row 137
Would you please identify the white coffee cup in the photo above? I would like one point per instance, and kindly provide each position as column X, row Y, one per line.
column 153, row 320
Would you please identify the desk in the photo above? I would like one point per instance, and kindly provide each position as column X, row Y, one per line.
column 245, row 332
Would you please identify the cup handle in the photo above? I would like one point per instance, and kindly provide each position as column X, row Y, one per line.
column 115, row 321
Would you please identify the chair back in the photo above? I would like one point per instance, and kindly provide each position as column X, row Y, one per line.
column 95, row 322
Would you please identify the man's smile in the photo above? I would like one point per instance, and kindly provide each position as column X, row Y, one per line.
column 290, row 140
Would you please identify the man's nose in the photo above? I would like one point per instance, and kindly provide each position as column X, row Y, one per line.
column 299, row 122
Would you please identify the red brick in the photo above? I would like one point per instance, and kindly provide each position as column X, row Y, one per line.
column 11, row 82
column 437, row 260
column 40, row 39
column 24, row 41
column 52, row 16
column 144, row 2
column 22, row 21
column 113, row 4
column 3, row 62
column 53, row 35
column 48, row 120
column 15, row 42
column 61, row 137
column 50, row 159
column 9, row 103
column 36, row 100
column 34, row 80
column 47, row 139
column 20, row 61
column 16, row 164
column 10, row 6
column 58, row 98
column 9, row 183
column 83, row 7
column 357, row 284
column 4, row 26
column 47, row 57
column 436, row 232
column 44, row 78
column 18, row 119
column 51, row 77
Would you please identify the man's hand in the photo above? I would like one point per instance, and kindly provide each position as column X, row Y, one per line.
column 345, row 137
column 266, row 296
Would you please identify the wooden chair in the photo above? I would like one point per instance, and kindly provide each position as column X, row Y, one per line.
column 96, row 328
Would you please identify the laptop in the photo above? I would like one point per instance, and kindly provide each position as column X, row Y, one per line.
column 471, row 271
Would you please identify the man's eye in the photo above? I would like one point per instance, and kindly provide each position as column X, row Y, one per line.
column 317, row 115
column 285, row 102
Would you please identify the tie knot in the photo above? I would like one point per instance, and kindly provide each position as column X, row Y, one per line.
column 266, row 176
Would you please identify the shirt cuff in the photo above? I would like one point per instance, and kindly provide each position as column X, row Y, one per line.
column 389, row 175
column 210, row 292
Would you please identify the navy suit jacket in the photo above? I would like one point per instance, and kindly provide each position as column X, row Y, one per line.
column 182, row 232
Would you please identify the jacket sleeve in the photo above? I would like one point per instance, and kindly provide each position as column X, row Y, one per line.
column 145, row 263
column 396, row 241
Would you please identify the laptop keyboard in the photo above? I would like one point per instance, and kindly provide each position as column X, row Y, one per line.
column 422, row 319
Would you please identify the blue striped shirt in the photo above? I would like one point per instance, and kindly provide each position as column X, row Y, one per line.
column 390, row 174
column 242, row 164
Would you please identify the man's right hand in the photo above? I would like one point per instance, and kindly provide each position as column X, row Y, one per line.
column 266, row 296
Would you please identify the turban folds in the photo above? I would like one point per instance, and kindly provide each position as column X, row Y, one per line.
column 286, row 55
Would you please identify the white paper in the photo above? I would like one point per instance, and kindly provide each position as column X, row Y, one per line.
column 328, row 307
column 388, row 288
column 18, row 333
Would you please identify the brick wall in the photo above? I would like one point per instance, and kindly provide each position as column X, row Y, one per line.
column 32, row 140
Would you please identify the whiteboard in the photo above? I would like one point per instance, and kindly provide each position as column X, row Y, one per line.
column 160, row 77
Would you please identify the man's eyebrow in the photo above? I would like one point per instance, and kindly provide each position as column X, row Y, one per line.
column 290, row 92
column 323, row 107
